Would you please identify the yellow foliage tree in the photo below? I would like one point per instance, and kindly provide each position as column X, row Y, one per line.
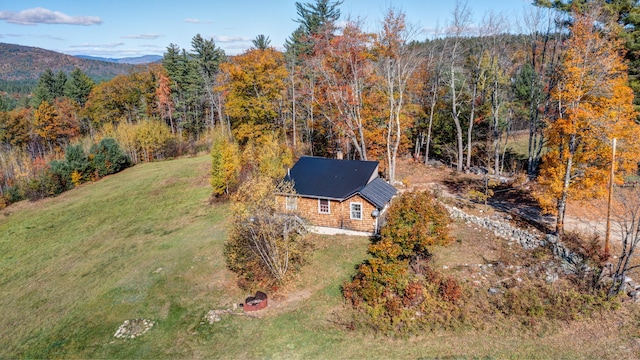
column 594, row 107
column 267, row 156
column 254, row 85
column 152, row 137
column 225, row 163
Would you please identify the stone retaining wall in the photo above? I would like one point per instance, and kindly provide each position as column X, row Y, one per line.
column 572, row 262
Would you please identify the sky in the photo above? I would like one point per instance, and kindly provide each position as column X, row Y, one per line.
column 118, row 28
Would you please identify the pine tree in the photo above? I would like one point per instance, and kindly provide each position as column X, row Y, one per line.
column 79, row 86
column 45, row 89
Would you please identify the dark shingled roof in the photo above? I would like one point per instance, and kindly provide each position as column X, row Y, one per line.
column 378, row 192
column 339, row 179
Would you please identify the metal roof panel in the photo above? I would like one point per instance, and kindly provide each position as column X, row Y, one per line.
column 331, row 178
column 378, row 192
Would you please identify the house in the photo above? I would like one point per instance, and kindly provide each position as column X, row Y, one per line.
column 338, row 194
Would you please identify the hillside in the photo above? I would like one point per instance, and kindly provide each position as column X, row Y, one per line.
column 19, row 63
column 146, row 243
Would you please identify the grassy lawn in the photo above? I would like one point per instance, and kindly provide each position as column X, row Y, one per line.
column 146, row 243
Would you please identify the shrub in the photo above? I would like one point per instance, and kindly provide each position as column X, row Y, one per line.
column 57, row 179
column 415, row 221
column 108, row 158
column 550, row 302
column 397, row 289
column 13, row 194
column 77, row 161
column 398, row 302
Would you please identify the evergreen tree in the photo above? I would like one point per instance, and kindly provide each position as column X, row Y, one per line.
column 78, row 86
column 315, row 19
column 45, row 89
column 59, row 85
column 207, row 58
column 261, row 42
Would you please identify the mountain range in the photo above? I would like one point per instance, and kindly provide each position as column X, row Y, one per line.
column 146, row 59
column 24, row 63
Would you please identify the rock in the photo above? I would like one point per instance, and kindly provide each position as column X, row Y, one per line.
column 130, row 329
column 551, row 278
column 494, row 291
column 214, row 316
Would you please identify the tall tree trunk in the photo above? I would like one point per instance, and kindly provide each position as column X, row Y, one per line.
column 472, row 119
column 293, row 110
column 455, row 113
column 562, row 201
column 430, row 126
column 495, row 109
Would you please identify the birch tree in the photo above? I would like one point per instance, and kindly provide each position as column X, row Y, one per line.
column 345, row 74
column 461, row 18
column 397, row 61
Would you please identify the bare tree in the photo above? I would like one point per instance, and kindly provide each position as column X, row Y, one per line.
column 273, row 239
column 542, row 59
column 461, row 18
column 434, row 66
column 499, row 67
column 264, row 239
column 627, row 217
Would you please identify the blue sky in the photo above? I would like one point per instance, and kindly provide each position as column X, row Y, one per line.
column 118, row 28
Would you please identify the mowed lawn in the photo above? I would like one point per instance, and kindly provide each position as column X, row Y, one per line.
column 146, row 243
column 142, row 243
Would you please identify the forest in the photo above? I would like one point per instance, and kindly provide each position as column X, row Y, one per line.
column 563, row 80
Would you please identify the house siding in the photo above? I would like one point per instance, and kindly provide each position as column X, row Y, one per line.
column 339, row 216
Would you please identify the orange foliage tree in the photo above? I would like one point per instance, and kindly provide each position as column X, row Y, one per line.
column 56, row 124
column 166, row 106
column 346, row 95
column 594, row 105
column 15, row 127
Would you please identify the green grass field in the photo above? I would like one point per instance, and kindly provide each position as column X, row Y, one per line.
column 146, row 243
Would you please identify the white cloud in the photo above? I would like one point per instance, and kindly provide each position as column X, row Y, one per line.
column 197, row 21
column 40, row 15
column 97, row 46
column 230, row 39
column 149, row 46
column 50, row 37
column 142, row 36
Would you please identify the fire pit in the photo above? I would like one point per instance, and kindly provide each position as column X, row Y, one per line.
column 255, row 303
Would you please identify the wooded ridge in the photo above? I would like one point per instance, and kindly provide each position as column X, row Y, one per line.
column 19, row 62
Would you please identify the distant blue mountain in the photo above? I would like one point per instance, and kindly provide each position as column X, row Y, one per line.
column 146, row 59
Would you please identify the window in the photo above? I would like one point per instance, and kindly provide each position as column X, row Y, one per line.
column 323, row 206
column 356, row 211
column 292, row 203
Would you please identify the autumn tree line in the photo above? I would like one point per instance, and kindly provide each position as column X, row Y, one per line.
column 457, row 97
